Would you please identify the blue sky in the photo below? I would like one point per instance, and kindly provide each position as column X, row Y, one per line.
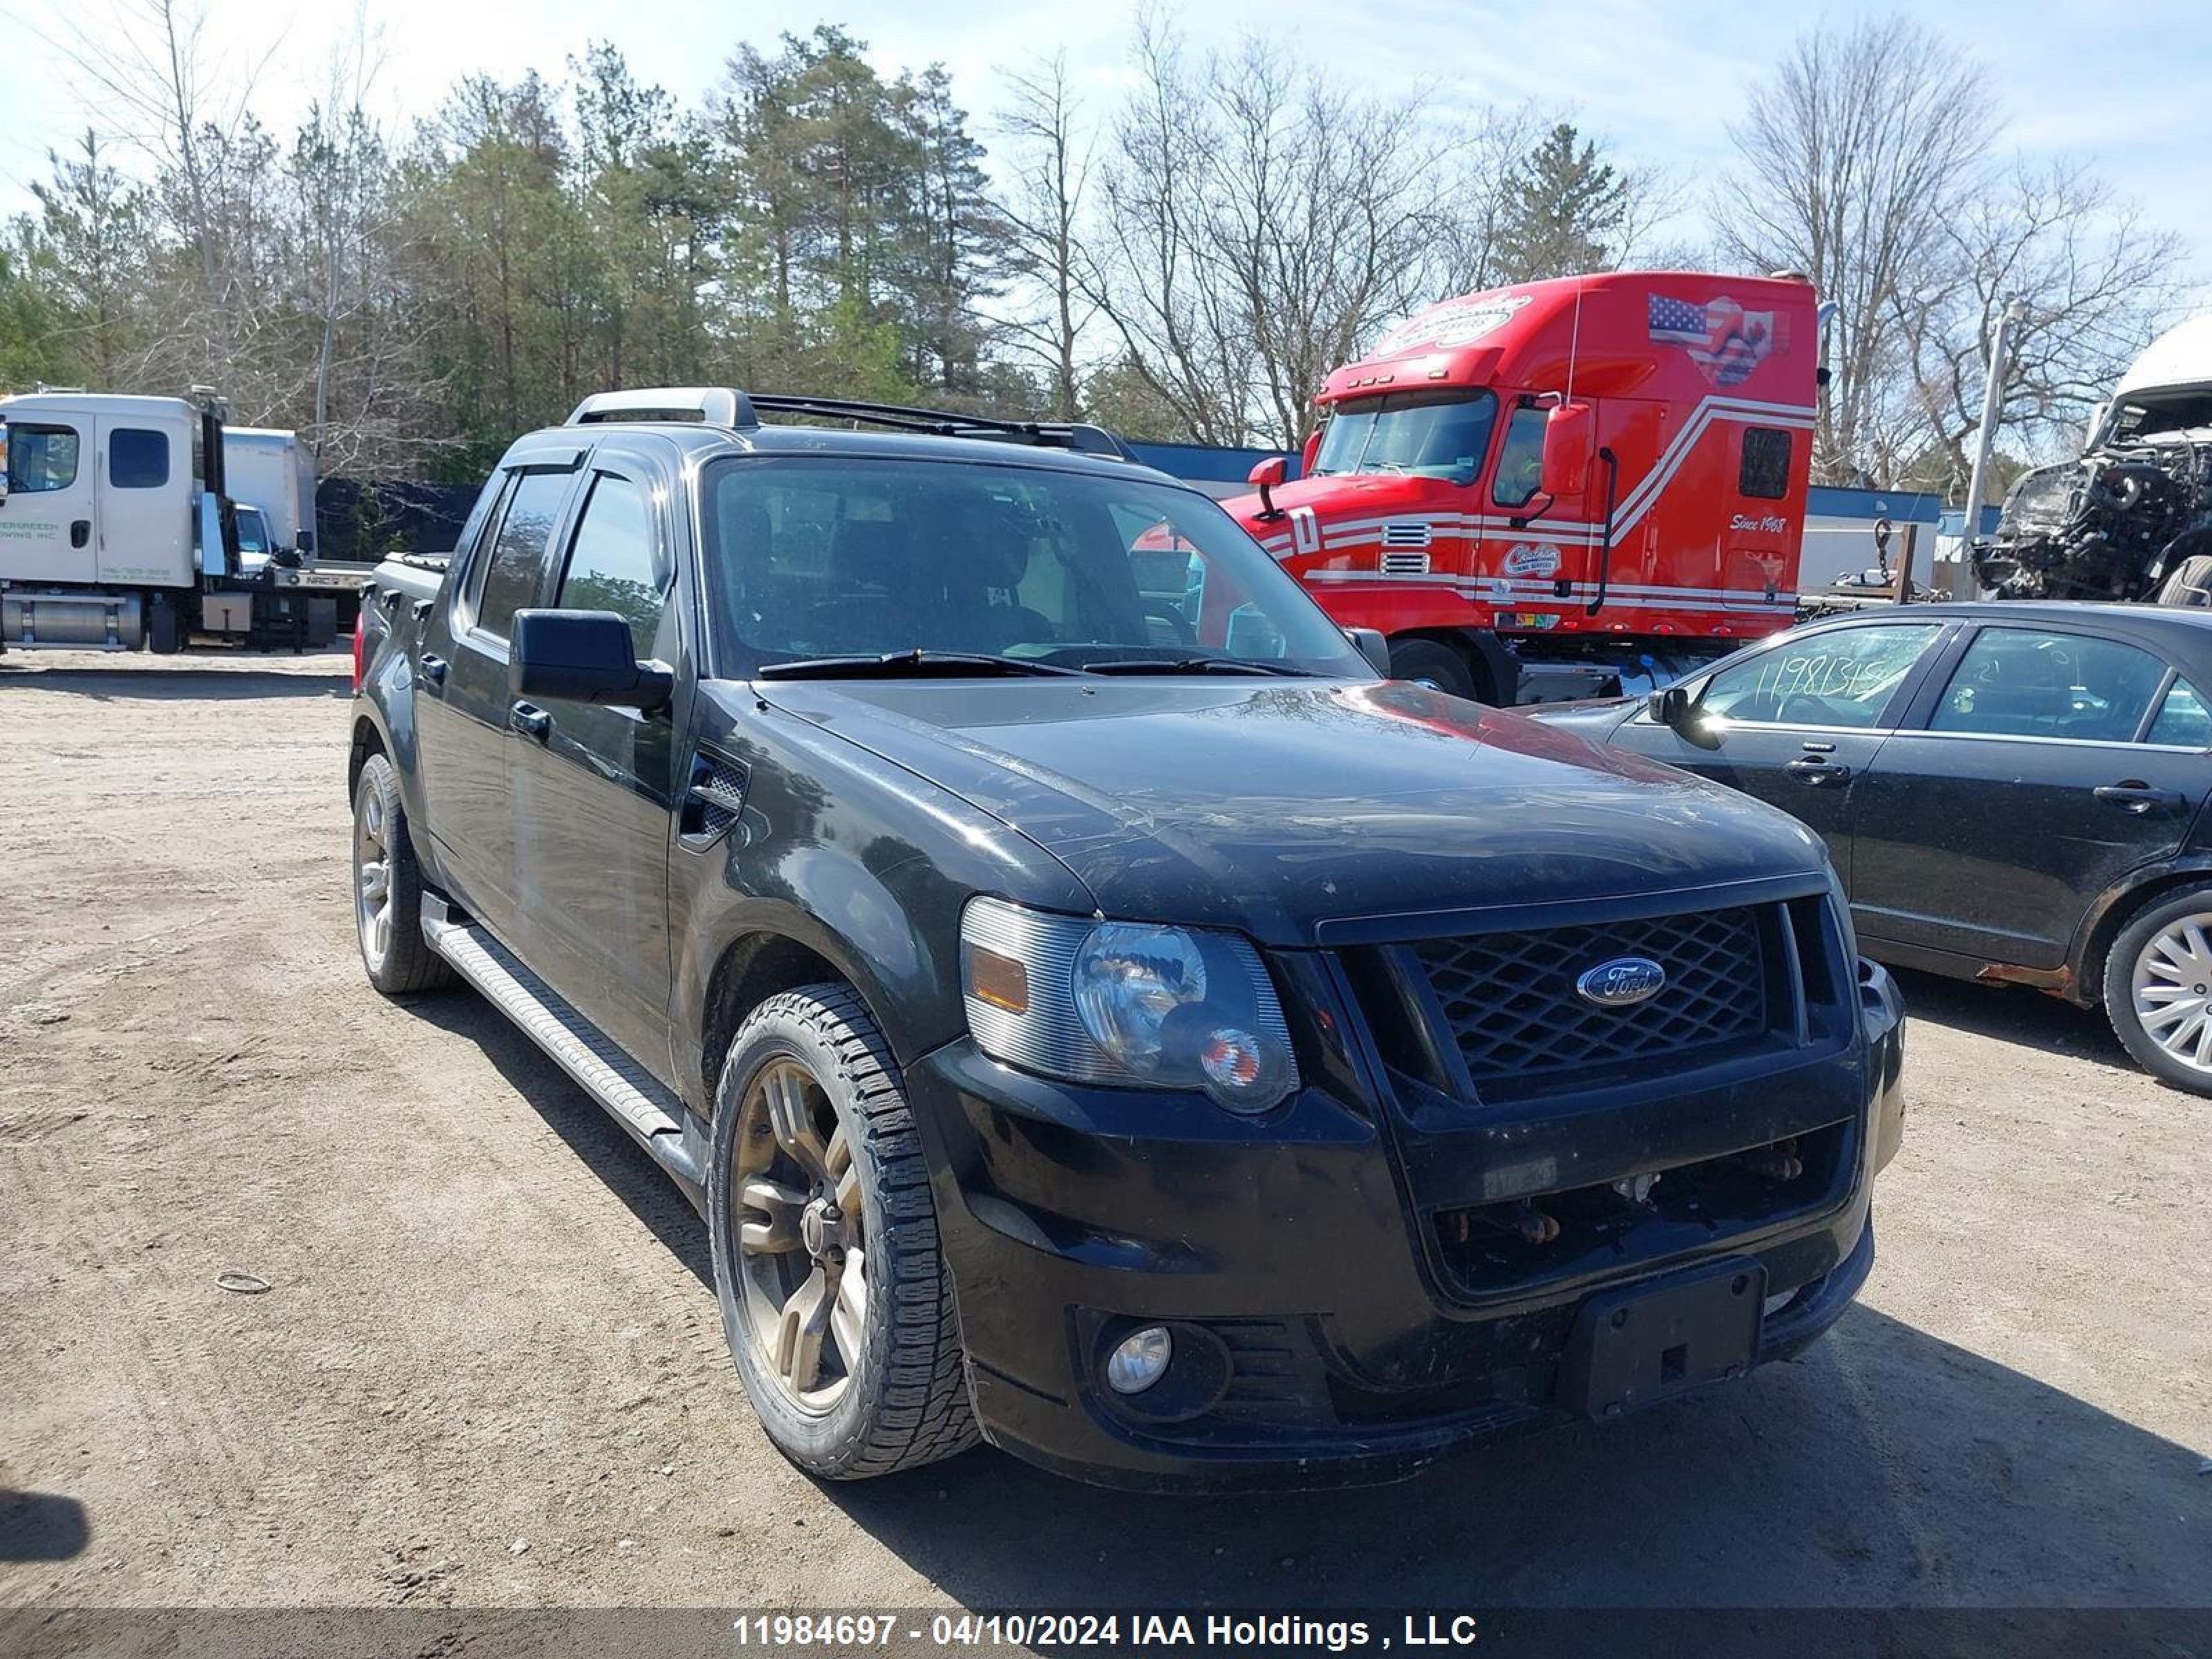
column 2126, row 85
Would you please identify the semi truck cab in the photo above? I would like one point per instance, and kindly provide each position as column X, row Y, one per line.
column 1561, row 488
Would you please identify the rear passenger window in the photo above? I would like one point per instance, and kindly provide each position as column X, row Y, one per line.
column 2182, row 718
column 1764, row 474
column 2035, row 682
column 137, row 458
column 518, row 550
column 611, row 562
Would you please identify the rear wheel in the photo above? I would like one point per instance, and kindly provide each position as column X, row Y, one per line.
column 835, row 1299
column 387, row 889
column 2158, row 989
column 1426, row 663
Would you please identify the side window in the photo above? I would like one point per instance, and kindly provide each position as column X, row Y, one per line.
column 1764, row 474
column 1846, row 677
column 41, row 458
column 610, row 561
column 518, row 549
column 2183, row 720
column 137, row 458
column 1520, row 458
column 2037, row 682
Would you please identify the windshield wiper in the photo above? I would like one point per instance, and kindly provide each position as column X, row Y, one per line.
column 1189, row 665
column 892, row 664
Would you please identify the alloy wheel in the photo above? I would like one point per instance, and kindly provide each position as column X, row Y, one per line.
column 371, row 866
column 802, row 1255
column 2173, row 990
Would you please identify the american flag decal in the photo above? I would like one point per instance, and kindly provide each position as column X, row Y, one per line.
column 1726, row 342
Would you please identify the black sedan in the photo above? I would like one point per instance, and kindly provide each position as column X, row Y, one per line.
column 2011, row 791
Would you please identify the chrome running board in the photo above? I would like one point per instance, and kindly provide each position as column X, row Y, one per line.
column 637, row 1099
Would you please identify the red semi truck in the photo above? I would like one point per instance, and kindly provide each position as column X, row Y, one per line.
column 1563, row 488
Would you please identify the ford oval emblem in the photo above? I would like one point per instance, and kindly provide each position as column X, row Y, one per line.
column 1622, row 982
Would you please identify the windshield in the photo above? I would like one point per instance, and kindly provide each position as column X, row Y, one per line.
column 1430, row 435
column 813, row 558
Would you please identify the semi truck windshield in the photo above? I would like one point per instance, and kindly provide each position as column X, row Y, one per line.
column 1433, row 435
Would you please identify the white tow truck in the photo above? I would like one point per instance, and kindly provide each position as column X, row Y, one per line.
column 120, row 529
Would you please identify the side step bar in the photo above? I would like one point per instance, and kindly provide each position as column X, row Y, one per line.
column 634, row 1097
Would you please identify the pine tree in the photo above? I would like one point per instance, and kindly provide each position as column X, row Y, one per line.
column 1565, row 210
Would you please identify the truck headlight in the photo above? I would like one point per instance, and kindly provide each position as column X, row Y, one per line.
column 1124, row 1002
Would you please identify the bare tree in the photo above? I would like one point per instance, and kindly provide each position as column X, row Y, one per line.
column 1043, row 212
column 1855, row 152
column 2098, row 284
column 1259, row 221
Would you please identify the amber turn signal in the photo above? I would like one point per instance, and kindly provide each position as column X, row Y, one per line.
column 998, row 979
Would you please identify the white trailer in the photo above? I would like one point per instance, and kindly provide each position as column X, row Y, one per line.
column 117, row 531
column 272, row 469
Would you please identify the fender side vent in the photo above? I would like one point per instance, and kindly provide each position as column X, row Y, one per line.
column 714, row 799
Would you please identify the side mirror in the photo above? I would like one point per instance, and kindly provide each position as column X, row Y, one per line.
column 582, row 656
column 1670, row 706
column 1373, row 647
column 1264, row 477
column 1568, row 430
column 4, row 460
column 1309, row 453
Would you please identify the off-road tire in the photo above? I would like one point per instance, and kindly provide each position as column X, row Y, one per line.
column 2127, row 949
column 907, row 1402
column 408, row 964
column 1427, row 663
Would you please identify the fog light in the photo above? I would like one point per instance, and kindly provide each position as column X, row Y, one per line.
column 1139, row 1359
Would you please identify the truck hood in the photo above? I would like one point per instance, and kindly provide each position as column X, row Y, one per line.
column 1347, row 495
column 1277, row 806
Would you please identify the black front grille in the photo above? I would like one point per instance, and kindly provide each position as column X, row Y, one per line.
column 1511, row 1003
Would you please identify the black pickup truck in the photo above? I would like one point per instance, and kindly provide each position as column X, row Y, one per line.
column 1090, row 1007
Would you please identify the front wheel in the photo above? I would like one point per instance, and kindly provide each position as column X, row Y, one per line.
column 2158, row 989
column 1426, row 663
column 835, row 1299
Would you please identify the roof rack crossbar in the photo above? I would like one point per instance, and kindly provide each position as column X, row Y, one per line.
column 1060, row 435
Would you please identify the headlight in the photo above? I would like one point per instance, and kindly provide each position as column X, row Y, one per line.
column 1124, row 1002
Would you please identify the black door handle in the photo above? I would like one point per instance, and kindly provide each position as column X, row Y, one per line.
column 80, row 532
column 434, row 668
column 531, row 720
column 2139, row 799
column 1817, row 772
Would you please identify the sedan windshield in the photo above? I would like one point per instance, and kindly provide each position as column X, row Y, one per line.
column 1433, row 435
column 820, row 560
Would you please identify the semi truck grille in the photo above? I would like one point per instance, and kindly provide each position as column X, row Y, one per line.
column 1403, row 534
column 1405, row 565
column 1510, row 1002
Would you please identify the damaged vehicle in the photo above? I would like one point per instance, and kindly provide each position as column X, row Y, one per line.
column 2131, row 520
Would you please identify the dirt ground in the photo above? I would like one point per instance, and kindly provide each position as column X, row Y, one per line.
column 489, row 1371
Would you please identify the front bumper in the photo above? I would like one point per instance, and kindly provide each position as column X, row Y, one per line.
column 1325, row 1332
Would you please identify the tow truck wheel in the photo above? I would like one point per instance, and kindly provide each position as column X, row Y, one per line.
column 835, row 1299
column 1426, row 663
column 388, row 889
column 2158, row 989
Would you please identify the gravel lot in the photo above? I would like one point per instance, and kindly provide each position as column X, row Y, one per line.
column 489, row 1370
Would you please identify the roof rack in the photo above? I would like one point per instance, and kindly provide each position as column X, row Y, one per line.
column 726, row 406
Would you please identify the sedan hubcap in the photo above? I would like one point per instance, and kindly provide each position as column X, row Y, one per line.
column 2172, row 989
column 802, row 1256
column 372, row 869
